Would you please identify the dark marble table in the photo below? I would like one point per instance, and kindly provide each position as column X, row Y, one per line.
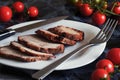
column 48, row 9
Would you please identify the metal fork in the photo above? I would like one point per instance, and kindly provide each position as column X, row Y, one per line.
column 103, row 36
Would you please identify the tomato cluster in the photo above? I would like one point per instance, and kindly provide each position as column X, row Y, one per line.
column 98, row 9
column 106, row 66
column 6, row 12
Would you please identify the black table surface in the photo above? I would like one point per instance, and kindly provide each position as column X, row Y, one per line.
column 49, row 9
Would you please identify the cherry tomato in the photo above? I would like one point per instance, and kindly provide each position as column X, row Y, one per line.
column 5, row 14
column 78, row 4
column 100, row 74
column 105, row 5
column 116, row 9
column 86, row 10
column 105, row 64
column 98, row 18
column 97, row 1
column 33, row 11
column 114, row 56
column 18, row 6
column 118, row 3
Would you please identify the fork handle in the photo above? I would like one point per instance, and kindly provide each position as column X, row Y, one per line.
column 41, row 74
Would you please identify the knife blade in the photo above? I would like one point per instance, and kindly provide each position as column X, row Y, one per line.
column 9, row 32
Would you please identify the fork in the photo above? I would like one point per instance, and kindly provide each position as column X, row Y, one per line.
column 103, row 36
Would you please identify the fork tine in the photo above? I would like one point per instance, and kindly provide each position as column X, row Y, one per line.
column 107, row 29
column 105, row 33
column 112, row 30
column 100, row 32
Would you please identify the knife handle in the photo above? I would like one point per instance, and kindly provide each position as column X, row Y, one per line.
column 6, row 33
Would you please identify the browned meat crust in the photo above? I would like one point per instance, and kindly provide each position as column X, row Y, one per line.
column 55, row 38
column 29, row 51
column 68, row 32
column 40, row 44
column 9, row 52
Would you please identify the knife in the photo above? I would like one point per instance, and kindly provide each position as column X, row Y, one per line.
column 9, row 32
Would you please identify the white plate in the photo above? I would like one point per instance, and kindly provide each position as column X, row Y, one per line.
column 85, row 57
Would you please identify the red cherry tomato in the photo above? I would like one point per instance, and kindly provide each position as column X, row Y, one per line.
column 114, row 56
column 116, row 9
column 33, row 11
column 100, row 74
column 118, row 3
column 5, row 14
column 105, row 64
column 86, row 10
column 98, row 18
column 18, row 6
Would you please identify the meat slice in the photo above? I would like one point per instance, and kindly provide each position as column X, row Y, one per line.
column 55, row 38
column 40, row 44
column 68, row 32
column 9, row 52
column 29, row 51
